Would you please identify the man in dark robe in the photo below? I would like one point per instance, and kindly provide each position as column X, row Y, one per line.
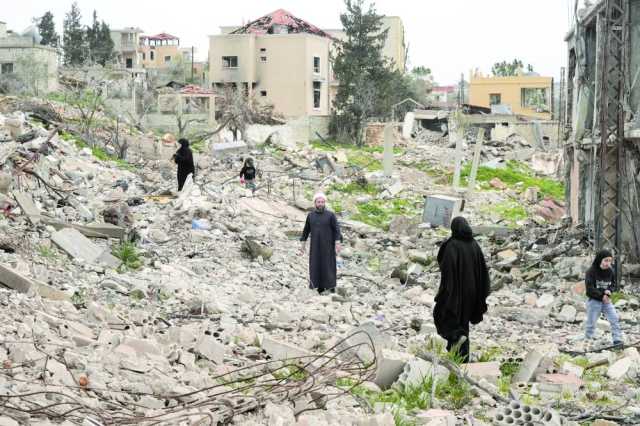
column 464, row 287
column 184, row 159
column 323, row 227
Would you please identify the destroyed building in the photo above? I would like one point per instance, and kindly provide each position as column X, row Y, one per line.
column 279, row 57
column 601, row 123
column 528, row 95
column 29, row 64
column 160, row 50
column 126, row 47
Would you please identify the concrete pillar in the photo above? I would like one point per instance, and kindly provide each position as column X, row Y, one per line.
column 387, row 161
column 212, row 110
column 476, row 160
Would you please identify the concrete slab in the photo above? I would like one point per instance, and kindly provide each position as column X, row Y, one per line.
column 27, row 206
column 80, row 247
column 97, row 230
column 15, row 281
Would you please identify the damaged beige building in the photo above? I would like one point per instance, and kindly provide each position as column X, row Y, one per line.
column 32, row 66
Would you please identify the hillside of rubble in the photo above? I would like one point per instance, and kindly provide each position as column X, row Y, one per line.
column 127, row 302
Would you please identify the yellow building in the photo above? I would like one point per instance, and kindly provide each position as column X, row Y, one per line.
column 159, row 51
column 280, row 58
column 526, row 95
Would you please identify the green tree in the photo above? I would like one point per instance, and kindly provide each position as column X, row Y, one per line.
column 73, row 37
column 421, row 71
column 360, row 69
column 105, row 45
column 47, row 30
column 508, row 69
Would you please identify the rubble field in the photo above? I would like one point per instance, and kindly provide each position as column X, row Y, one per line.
column 125, row 302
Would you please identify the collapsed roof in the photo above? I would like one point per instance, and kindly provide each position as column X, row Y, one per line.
column 280, row 22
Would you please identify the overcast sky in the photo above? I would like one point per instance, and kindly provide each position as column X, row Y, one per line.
column 448, row 36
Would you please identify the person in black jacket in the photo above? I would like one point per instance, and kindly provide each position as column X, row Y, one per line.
column 248, row 175
column 464, row 287
column 184, row 159
column 600, row 283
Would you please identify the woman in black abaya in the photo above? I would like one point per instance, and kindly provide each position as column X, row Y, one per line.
column 184, row 159
column 464, row 287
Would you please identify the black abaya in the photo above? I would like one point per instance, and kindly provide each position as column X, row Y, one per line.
column 325, row 231
column 464, row 286
column 184, row 159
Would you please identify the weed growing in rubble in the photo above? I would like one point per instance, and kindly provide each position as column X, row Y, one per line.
column 490, row 354
column 46, row 252
column 518, row 173
column 129, row 256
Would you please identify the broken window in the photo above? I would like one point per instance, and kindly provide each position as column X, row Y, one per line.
column 6, row 68
column 316, row 64
column 534, row 98
column 317, row 86
column 167, row 59
column 144, row 56
column 263, row 93
column 229, row 62
column 263, row 59
column 495, row 99
column 151, row 55
column 263, row 50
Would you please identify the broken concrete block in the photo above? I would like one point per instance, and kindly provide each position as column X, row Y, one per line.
column 80, row 247
column 620, row 368
column 545, row 300
column 601, row 422
column 98, row 230
column 440, row 210
column 490, row 371
column 570, row 368
column 507, row 257
column 436, row 417
column 390, row 366
column 255, row 249
column 280, row 350
column 417, row 370
column 21, row 284
column 497, row 184
column 528, row 367
column 211, row 349
column 567, row 314
column 358, row 342
column 530, row 195
column 139, row 347
column 7, row 421
column 558, row 383
column 27, row 206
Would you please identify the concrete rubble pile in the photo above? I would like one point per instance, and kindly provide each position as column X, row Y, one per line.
column 210, row 319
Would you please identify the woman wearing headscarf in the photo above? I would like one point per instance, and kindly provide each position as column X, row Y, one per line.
column 184, row 159
column 600, row 283
column 323, row 227
column 464, row 287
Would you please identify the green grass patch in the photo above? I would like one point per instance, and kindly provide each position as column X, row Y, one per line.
column 490, row 354
column 617, row 296
column 129, row 256
column 291, row 372
column 379, row 213
column 352, row 188
column 337, row 206
column 518, row 173
column 509, row 211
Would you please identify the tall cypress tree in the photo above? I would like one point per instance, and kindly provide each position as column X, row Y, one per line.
column 105, row 44
column 74, row 47
column 93, row 38
column 47, row 29
column 360, row 68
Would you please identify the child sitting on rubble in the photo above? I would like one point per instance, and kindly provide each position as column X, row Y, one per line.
column 600, row 283
column 248, row 175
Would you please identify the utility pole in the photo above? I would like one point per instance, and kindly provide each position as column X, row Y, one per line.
column 461, row 91
column 192, row 50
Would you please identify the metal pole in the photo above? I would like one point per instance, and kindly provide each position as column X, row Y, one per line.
column 476, row 160
column 192, row 50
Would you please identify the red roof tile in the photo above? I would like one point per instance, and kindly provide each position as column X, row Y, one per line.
column 264, row 25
